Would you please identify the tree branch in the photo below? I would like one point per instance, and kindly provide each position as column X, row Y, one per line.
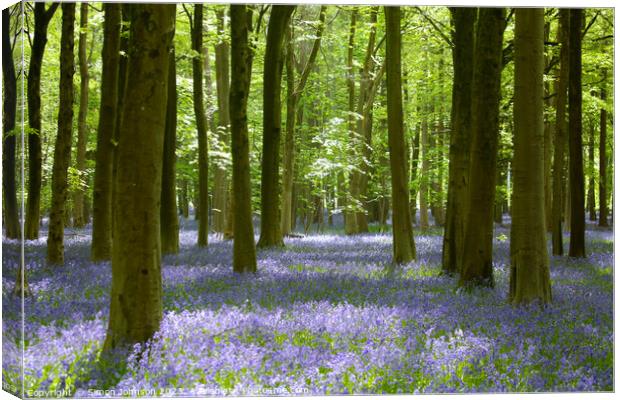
column 315, row 49
column 434, row 24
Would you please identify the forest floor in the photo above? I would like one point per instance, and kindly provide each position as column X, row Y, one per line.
column 324, row 315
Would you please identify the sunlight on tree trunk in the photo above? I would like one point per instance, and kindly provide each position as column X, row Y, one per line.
column 602, row 153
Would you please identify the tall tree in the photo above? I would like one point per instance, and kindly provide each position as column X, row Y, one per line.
column 463, row 19
column 559, row 146
column 591, row 202
column 101, row 247
column 402, row 228
column 62, row 149
column 477, row 267
column 169, row 225
column 294, row 93
column 529, row 262
column 575, row 149
column 244, row 251
column 350, row 222
column 270, row 232
column 602, row 154
column 222, row 75
column 9, row 107
column 424, row 172
column 42, row 17
column 201, row 127
column 136, row 304
column 80, row 162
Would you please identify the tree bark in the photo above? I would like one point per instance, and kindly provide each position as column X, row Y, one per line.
column 169, row 226
column 560, row 139
column 9, row 106
column 591, row 200
column 350, row 221
column 477, row 267
column 222, row 68
column 80, row 161
column 244, row 251
column 602, row 153
column 62, row 149
column 424, row 174
column 548, row 142
column 101, row 248
column 41, row 21
column 464, row 19
column 201, row 128
column 136, row 298
column 575, row 148
column 271, row 232
column 529, row 262
column 402, row 228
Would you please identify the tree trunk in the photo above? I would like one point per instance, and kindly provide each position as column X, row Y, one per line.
column 477, row 267
column 591, row 200
column 101, row 248
column 41, row 21
column 350, row 222
column 270, row 232
column 244, row 251
column 575, row 148
column 80, row 162
column 424, row 175
column 9, row 185
column 136, row 298
column 402, row 229
column 222, row 72
column 548, row 142
column 169, row 225
column 184, row 199
column 602, row 153
column 559, row 146
column 201, row 128
column 529, row 262
column 62, row 149
column 415, row 158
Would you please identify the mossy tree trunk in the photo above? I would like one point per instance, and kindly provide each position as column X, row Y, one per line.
column 529, row 262
column 62, row 149
column 101, row 247
column 244, row 251
column 402, row 228
column 271, row 232
column 136, row 297
column 42, row 18
column 350, row 222
column 477, row 267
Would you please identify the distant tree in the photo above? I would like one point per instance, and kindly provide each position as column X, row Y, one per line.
column 602, row 153
column 80, row 162
column 477, row 267
column 9, row 107
column 463, row 19
column 575, row 147
column 402, row 228
column 529, row 262
column 101, row 247
column 270, row 232
column 559, row 147
column 136, row 298
column 42, row 17
column 62, row 149
column 244, row 251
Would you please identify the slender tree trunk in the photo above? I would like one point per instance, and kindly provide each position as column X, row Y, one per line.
column 41, row 21
column 201, row 128
column 80, row 162
column 602, row 153
column 184, row 199
column 424, row 175
column 136, row 298
column 402, row 228
column 62, row 149
column 9, row 106
column 415, row 158
column 548, row 143
column 222, row 71
column 477, row 267
column 575, row 148
column 271, row 233
column 244, row 251
column 529, row 262
column 101, row 248
column 591, row 200
column 169, row 226
column 560, row 136
column 350, row 222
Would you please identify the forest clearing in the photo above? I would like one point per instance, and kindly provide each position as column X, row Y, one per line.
column 211, row 200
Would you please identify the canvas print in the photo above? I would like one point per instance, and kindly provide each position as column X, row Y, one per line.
column 207, row 200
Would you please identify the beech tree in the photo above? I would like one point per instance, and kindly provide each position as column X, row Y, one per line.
column 136, row 298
